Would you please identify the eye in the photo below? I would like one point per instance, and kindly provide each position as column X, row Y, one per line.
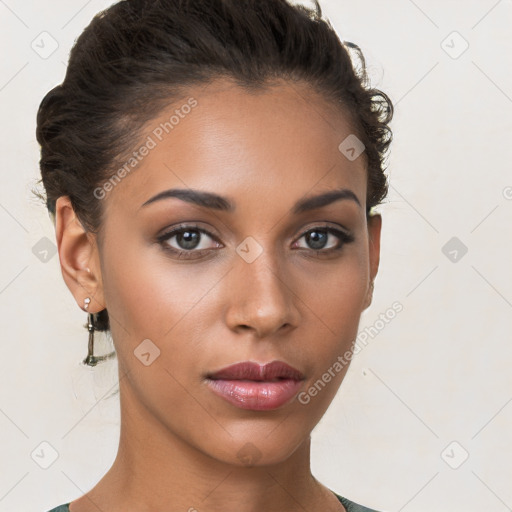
column 326, row 239
column 189, row 241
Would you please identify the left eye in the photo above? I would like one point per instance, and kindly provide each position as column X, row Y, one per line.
column 318, row 237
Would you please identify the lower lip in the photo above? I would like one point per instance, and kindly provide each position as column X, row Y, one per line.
column 257, row 396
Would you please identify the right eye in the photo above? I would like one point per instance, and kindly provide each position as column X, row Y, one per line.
column 187, row 238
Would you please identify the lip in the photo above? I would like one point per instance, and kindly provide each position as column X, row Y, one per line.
column 248, row 370
column 249, row 385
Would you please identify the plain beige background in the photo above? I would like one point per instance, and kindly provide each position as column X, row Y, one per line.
column 422, row 420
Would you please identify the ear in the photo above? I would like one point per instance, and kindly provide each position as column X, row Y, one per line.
column 79, row 258
column 374, row 230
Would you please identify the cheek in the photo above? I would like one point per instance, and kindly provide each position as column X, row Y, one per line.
column 149, row 295
column 333, row 299
column 336, row 290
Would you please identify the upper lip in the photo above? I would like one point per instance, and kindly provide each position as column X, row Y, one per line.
column 250, row 370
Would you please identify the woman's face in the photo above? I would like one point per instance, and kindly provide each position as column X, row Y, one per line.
column 259, row 281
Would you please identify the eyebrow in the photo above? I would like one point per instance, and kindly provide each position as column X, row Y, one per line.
column 216, row 202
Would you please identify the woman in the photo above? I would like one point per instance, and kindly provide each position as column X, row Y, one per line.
column 211, row 166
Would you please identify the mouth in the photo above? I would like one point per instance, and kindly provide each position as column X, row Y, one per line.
column 248, row 370
column 248, row 385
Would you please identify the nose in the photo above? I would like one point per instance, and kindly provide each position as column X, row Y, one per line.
column 261, row 297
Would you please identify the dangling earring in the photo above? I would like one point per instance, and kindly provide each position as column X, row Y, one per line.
column 90, row 360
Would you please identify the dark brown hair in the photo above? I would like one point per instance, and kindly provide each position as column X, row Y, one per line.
column 138, row 56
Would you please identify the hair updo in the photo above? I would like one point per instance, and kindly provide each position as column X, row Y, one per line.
column 138, row 56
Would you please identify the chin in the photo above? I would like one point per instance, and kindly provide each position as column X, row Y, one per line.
column 253, row 451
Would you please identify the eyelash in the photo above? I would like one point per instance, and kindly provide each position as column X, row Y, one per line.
column 345, row 238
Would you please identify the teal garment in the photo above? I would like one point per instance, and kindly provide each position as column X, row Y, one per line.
column 349, row 505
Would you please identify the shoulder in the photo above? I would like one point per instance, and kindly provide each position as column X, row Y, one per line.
column 353, row 507
column 60, row 508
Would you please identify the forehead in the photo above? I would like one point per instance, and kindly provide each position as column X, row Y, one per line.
column 275, row 144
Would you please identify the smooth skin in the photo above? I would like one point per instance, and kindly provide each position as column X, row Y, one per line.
column 180, row 444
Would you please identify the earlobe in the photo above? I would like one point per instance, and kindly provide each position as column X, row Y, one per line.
column 369, row 295
column 374, row 231
column 78, row 257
